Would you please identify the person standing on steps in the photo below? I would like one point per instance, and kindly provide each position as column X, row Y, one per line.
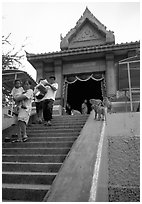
column 48, row 100
column 68, row 109
column 24, row 114
column 84, row 107
column 38, row 95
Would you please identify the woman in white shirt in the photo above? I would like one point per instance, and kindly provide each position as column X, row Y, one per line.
column 24, row 114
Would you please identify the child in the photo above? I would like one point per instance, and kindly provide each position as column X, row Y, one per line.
column 40, row 89
column 17, row 91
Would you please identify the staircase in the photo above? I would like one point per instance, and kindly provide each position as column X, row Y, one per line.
column 28, row 169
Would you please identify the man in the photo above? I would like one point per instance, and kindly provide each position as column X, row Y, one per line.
column 49, row 99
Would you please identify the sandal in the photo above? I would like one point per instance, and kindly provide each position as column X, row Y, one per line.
column 25, row 138
column 46, row 123
column 40, row 121
column 18, row 140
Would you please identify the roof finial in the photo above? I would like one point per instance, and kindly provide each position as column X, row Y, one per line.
column 86, row 10
column 61, row 37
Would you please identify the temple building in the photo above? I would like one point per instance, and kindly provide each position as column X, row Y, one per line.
column 87, row 66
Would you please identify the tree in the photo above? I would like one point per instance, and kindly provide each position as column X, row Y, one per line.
column 11, row 57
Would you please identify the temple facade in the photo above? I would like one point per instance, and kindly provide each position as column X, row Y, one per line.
column 87, row 65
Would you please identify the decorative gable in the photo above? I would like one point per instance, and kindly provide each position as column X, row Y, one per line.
column 86, row 36
column 87, row 32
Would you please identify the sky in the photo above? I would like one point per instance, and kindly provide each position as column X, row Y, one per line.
column 39, row 24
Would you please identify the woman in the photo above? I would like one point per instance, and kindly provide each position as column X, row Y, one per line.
column 24, row 114
column 38, row 103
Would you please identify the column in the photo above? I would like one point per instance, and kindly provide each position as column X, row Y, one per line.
column 39, row 68
column 59, row 79
column 111, row 75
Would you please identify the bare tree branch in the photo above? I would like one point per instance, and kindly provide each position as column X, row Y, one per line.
column 13, row 56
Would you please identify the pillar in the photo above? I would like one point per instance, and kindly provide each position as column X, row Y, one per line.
column 39, row 68
column 111, row 75
column 59, row 79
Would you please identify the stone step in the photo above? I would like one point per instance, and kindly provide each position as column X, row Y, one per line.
column 53, row 134
column 28, row 177
column 49, row 128
column 25, row 192
column 30, row 144
column 34, row 158
column 30, row 167
column 31, row 151
column 54, row 130
column 52, row 139
column 61, row 122
column 65, row 120
column 55, row 126
column 70, row 117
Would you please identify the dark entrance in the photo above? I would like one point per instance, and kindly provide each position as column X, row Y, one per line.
column 81, row 90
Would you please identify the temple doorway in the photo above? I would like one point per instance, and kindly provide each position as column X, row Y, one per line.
column 81, row 90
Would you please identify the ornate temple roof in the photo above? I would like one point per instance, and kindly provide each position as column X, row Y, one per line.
column 88, row 36
column 88, row 31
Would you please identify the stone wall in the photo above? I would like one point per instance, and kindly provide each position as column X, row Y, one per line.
column 123, row 133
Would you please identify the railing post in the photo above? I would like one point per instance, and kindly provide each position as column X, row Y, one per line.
column 129, row 81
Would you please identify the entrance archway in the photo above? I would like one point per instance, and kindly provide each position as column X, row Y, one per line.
column 81, row 90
